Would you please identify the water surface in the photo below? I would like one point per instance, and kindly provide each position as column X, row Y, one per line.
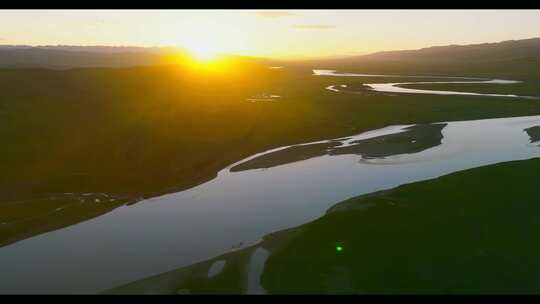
column 179, row 229
column 395, row 87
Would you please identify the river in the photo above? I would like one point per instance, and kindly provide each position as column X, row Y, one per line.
column 264, row 193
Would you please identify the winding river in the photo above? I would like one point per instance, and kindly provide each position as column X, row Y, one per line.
column 396, row 86
column 269, row 191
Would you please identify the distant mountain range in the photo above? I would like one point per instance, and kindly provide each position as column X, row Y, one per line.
column 90, row 48
column 515, row 58
column 61, row 57
column 67, row 56
column 505, row 50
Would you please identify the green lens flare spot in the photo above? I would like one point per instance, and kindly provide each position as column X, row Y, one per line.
column 339, row 248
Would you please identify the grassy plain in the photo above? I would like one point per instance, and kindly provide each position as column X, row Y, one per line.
column 139, row 132
column 470, row 232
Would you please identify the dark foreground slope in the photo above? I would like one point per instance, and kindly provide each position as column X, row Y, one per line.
column 468, row 232
column 472, row 231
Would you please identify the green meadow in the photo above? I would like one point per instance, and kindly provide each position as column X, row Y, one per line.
column 134, row 133
column 470, row 232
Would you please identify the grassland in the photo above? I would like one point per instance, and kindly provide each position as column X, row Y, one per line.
column 470, row 232
column 414, row 139
column 525, row 88
column 143, row 131
column 534, row 133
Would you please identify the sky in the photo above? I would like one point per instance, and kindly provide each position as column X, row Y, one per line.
column 268, row 33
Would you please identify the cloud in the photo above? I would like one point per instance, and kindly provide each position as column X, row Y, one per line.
column 313, row 26
column 274, row 14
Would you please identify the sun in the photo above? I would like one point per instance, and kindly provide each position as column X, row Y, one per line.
column 203, row 51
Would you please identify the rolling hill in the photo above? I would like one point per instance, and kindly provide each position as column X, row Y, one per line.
column 519, row 59
column 63, row 57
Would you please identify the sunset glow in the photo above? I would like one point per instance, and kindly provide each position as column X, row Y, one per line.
column 267, row 33
column 204, row 51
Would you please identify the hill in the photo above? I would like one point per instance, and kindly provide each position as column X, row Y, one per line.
column 505, row 50
column 63, row 57
column 514, row 58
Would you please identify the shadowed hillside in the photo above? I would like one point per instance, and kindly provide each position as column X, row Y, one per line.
column 69, row 57
column 65, row 57
column 505, row 50
column 514, row 58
